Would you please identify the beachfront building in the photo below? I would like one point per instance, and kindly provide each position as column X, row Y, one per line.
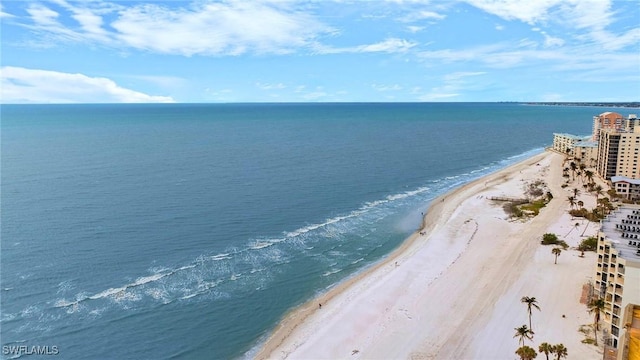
column 630, row 337
column 586, row 151
column 579, row 147
column 607, row 153
column 626, row 187
column 618, row 153
column 617, row 274
column 632, row 123
column 607, row 120
column 564, row 142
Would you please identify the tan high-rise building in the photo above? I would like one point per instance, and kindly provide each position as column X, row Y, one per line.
column 607, row 120
column 617, row 275
column 618, row 153
column 607, row 153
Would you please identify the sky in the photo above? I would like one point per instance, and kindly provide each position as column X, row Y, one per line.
column 208, row 51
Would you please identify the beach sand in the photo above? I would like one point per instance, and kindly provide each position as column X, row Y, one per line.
column 453, row 289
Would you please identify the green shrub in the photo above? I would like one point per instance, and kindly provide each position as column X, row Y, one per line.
column 588, row 244
column 534, row 206
column 583, row 213
column 512, row 209
column 549, row 238
column 552, row 239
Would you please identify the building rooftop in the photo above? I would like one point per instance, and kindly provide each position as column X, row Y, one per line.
column 622, row 229
column 570, row 136
column 615, row 179
column 587, row 143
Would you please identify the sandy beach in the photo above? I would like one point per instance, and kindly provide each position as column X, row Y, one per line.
column 453, row 289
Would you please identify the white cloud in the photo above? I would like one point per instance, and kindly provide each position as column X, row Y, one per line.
column 4, row 14
column 452, row 85
column 21, row 85
column 42, row 15
column 610, row 41
column 202, row 28
column 550, row 41
column 457, row 76
column 422, row 15
column 277, row 86
column 524, row 10
column 391, row 45
column 415, row 29
column 590, row 16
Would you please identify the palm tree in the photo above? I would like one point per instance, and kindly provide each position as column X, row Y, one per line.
column 531, row 303
column 556, row 252
column 589, row 175
column 573, row 167
column 576, row 192
column 605, row 205
column 523, row 332
column 560, row 350
column 572, row 201
column 598, row 190
column 545, row 348
column 596, row 306
column 526, row 353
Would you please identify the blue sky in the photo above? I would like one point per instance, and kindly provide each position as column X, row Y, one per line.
column 320, row 51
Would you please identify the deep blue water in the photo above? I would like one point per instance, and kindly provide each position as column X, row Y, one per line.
column 188, row 231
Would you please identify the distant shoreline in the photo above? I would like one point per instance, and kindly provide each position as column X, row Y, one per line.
column 602, row 104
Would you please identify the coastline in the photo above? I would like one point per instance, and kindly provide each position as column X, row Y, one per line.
column 442, row 221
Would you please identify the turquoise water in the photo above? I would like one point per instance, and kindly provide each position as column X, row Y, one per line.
column 188, row 231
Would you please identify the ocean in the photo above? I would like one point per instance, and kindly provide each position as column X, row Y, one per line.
column 186, row 231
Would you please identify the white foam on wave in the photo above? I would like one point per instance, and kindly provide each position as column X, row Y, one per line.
column 260, row 245
column 331, row 272
column 127, row 296
column 64, row 303
column 355, row 213
column 218, row 257
column 188, row 267
column 158, row 294
column 202, row 288
column 7, row 317
column 147, row 279
column 73, row 309
column 308, row 228
column 108, row 292
column 260, row 262
column 480, row 170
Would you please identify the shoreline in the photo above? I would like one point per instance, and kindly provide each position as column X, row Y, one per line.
column 439, row 209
